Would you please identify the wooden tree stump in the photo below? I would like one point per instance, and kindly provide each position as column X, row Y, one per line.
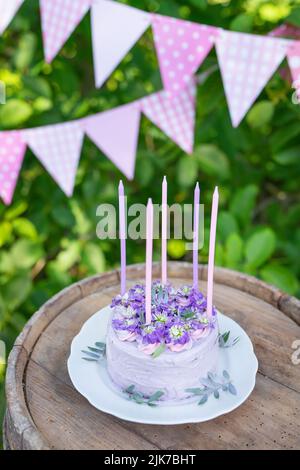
column 44, row 411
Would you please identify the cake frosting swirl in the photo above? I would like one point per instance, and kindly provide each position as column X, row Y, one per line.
column 170, row 354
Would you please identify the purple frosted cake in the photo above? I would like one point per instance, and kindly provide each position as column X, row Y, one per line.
column 170, row 354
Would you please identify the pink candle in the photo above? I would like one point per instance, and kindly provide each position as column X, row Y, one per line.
column 122, row 235
column 211, row 258
column 196, row 235
column 149, row 249
column 164, row 214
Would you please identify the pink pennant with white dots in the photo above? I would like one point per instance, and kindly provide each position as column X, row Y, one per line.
column 59, row 19
column 12, row 151
column 58, row 148
column 247, row 63
column 181, row 47
column 174, row 114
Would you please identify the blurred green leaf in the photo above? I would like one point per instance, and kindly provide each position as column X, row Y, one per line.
column 93, row 258
column 187, row 171
column 243, row 203
column 14, row 113
column 212, row 161
column 227, row 225
column 24, row 228
column 259, row 247
column 16, row 291
column 24, row 53
column 294, row 17
column 260, row 114
column 16, row 210
column 68, row 257
column 5, row 232
column 38, row 86
column 233, row 251
column 63, row 216
column 25, row 253
column 242, row 23
column 280, row 277
column 288, row 157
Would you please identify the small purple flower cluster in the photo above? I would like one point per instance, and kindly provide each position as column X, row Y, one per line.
column 178, row 317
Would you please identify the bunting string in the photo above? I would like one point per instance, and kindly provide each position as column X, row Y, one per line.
column 246, row 61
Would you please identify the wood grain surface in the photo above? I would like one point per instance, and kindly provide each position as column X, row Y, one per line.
column 44, row 411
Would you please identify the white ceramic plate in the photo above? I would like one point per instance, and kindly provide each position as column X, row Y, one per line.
column 92, row 381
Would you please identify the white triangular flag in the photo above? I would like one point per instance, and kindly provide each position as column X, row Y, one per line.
column 58, row 148
column 115, row 30
column 116, row 133
column 247, row 63
column 8, row 9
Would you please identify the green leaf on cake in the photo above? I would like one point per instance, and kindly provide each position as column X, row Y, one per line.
column 158, row 351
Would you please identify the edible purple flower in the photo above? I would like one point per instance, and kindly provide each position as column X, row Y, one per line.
column 179, row 317
column 177, row 337
column 126, row 328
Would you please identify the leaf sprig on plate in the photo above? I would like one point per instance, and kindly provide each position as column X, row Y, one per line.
column 212, row 385
column 224, row 340
column 141, row 399
column 96, row 353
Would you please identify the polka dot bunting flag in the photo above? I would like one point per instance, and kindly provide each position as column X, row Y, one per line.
column 174, row 115
column 12, row 151
column 58, row 148
column 247, row 63
column 181, row 47
column 59, row 19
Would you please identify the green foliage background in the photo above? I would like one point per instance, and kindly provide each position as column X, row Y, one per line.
column 48, row 241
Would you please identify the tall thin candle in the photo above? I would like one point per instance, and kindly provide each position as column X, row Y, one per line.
column 122, row 235
column 196, row 235
column 164, row 215
column 149, row 249
column 211, row 258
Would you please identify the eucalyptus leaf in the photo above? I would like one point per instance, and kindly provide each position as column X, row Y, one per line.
column 91, row 354
column 203, row 400
column 156, row 396
column 158, row 351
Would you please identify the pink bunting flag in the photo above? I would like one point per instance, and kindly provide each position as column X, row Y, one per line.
column 115, row 30
column 286, row 30
column 174, row 114
column 12, row 151
column 59, row 19
column 247, row 63
column 58, row 148
column 116, row 133
column 181, row 47
column 294, row 65
column 8, row 9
